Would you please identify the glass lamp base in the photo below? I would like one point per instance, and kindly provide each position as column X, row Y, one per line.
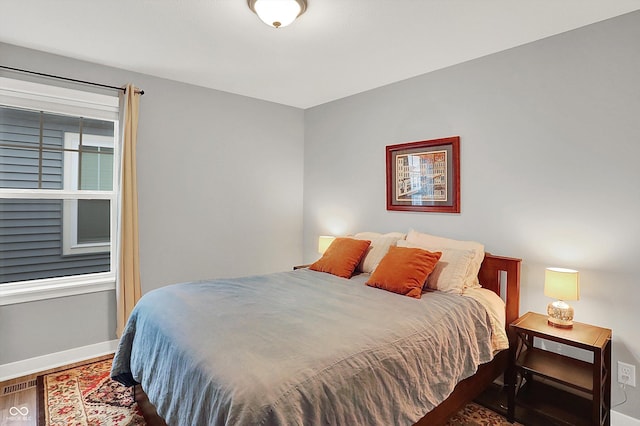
column 560, row 314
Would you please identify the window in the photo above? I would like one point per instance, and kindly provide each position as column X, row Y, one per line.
column 58, row 191
column 87, row 166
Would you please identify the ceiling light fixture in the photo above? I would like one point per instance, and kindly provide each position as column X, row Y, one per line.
column 278, row 13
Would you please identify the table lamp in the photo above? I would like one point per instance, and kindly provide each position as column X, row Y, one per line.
column 562, row 284
column 324, row 241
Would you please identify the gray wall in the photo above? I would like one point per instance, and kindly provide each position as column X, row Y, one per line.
column 220, row 194
column 549, row 166
column 47, row 326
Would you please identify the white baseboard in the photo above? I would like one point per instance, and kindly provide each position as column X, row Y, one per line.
column 619, row 419
column 54, row 360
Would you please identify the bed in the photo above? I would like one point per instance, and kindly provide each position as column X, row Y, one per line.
column 307, row 347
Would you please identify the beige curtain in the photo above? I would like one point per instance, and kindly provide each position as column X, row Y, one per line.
column 128, row 283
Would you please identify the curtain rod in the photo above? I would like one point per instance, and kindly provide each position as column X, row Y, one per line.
column 124, row 89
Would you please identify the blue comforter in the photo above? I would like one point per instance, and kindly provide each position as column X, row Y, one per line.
column 299, row 348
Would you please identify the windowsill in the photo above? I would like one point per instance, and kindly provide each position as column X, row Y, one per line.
column 31, row 291
column 87, row 248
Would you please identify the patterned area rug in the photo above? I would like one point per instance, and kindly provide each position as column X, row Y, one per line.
column 86, row 395
column 476, row 415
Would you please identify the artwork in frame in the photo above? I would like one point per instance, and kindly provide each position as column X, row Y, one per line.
column 424, row 176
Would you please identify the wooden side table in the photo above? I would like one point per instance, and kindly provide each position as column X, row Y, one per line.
column 296, row 267
column 590, row 379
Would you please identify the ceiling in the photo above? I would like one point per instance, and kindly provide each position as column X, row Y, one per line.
column 336, row 49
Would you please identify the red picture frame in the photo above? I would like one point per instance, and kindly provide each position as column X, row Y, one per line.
column 424, row 176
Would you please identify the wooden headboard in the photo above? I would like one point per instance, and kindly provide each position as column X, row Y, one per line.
column 490, row 278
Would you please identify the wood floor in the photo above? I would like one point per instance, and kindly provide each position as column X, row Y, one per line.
column 19, row 397
column 18, row 402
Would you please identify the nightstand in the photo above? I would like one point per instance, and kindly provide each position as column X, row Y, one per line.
column 582, row 391
column 295, row 268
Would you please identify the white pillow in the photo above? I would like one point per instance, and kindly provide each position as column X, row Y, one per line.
column 450, row 271
column 371, row 235
column 380, row 244
column 433, row 243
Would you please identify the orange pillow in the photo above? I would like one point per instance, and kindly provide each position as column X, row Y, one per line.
column 342, row 257
column 404, row 270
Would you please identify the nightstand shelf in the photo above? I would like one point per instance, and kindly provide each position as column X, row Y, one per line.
column 586, row 384
column 552, row 404
column 561, row 369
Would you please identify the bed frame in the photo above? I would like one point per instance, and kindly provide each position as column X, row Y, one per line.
column 490, row 277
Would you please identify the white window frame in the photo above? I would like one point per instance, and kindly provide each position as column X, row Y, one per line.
column 70, row 245
column 58, row 100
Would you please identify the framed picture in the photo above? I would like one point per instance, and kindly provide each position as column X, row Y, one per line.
column 424, row 176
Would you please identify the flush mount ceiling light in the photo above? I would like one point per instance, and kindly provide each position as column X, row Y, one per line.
column 278, row 13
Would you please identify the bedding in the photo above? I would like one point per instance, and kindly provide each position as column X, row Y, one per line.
column 380, row 244
column 342, row 257
column 496, row 309
column 450, row 272
column 404, row 270
column 434, row 243
column 300, row 347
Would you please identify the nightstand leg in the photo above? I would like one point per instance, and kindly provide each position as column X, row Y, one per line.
column 511, row 382
column 607, row 383
column 511, row 400
column 596, row 410
column 602, row 386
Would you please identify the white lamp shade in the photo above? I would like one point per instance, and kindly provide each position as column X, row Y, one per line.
column 562, row 284
column 277, row 13
column 324, row 242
